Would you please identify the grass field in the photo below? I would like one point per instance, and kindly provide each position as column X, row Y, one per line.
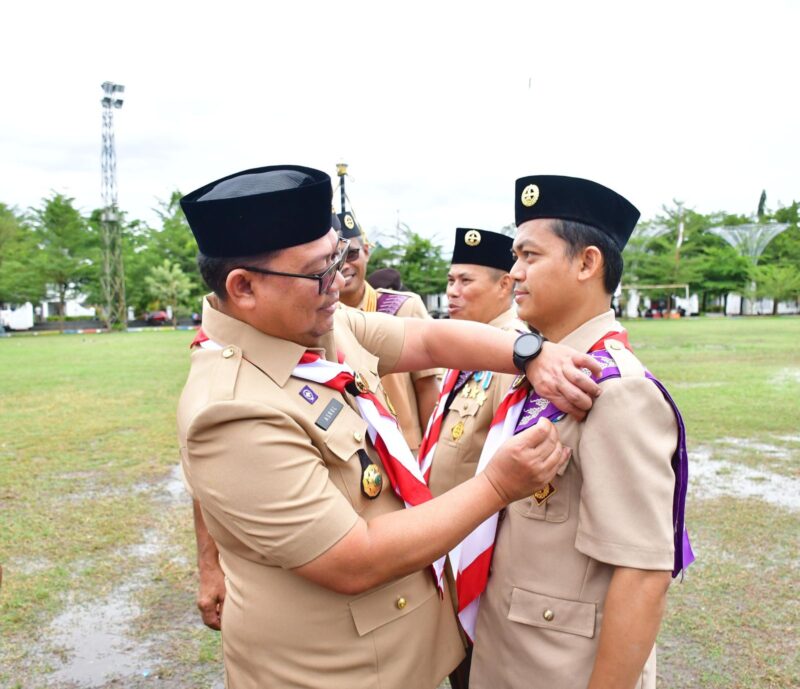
column 97, row 550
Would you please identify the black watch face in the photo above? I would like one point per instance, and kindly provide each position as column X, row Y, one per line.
column 528, row 345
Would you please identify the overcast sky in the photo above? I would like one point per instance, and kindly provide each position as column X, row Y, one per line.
column 436, row 106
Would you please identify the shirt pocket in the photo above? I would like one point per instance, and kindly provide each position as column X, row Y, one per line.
column 391, row 602
column 342, row 459
column 556, row 614
column 555, row 509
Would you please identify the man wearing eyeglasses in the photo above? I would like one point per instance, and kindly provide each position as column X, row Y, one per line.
column 413, row 395
column 329, row 538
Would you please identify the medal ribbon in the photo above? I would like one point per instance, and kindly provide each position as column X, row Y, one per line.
column 399, row 463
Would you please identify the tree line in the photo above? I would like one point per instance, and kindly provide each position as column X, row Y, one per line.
column 54, row 251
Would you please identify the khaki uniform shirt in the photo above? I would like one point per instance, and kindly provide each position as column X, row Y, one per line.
column 457, row 454
column 277, row 490
column 541, row 614
column 399, row 387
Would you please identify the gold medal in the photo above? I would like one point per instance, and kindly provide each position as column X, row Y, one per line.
column 371, row 481
column 543, row 495
column 458, row 430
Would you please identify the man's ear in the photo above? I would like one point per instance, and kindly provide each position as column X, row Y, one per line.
column 507, row 284
column 239, row 285
column 592, row 263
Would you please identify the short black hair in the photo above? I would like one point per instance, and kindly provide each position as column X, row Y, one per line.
column 578, row 236
column 214, row 271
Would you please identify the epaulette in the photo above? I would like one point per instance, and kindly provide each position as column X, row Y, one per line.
column 625, row 360
column 225, row 373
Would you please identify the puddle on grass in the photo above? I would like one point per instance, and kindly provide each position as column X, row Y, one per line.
column 712, row 478
column 786, row 375
column 93, row 638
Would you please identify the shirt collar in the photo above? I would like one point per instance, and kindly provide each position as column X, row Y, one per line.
column 508, row 319
column 584, row 336
column 272, row 355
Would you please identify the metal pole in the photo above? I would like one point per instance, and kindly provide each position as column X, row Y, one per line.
column 341, row 171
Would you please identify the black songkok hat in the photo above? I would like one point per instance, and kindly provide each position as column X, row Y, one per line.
column 259, row 210
column 349, row 228
column 579, row 200
column 483, row 248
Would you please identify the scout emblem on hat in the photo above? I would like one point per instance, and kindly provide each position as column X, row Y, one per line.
column 482, row 248
column 472, row 238
column 543, row 495
column 371, row 479
column 530, row 195
column 348, row 227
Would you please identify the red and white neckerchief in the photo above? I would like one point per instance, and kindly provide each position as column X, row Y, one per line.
column 471, row 558
column 201, row 340
column 427, row 448
column 398, row 461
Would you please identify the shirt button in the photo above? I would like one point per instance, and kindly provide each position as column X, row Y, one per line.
column 401, row 603
column 228, row 352
column 358, row 436
column 548, row 615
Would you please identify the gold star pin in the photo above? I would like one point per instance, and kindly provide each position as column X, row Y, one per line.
column 530, row 195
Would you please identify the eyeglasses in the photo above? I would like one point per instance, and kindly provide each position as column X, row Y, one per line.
column 353, row 254
column 325, row 278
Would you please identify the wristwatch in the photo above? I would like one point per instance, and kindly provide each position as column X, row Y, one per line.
column 526, row 348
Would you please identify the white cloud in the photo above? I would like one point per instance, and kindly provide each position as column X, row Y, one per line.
column 436, row 107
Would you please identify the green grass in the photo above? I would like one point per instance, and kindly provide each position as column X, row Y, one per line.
column 88, row 438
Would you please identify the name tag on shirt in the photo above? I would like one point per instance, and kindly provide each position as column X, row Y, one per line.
column 328, row 415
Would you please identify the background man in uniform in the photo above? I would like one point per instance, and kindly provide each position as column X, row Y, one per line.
column 479, row 288
column 412, row 395
column 579, row 578
column 286, row 448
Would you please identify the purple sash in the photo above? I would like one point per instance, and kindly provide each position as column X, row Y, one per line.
column 536, row 407
column 390, row 303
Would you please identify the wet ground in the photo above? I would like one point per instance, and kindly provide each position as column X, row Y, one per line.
column 124, row 639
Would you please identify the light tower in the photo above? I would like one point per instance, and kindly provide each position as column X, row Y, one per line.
column 113, row 280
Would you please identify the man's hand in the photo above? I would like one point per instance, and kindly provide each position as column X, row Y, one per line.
column 526, row 462
column 557, row 376
column 211, row 594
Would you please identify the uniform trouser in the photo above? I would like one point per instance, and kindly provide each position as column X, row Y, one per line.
column 459, row 678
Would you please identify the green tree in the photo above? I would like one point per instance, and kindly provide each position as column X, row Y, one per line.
column 170, row 286
column 778, row 281
column 21, row 277
column 65, row 242
column 418, row 260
